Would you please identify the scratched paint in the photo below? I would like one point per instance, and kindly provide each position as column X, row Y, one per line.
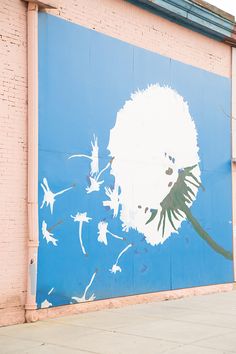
column 115, row 149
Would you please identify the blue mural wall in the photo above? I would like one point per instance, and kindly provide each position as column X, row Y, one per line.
column 88, row 249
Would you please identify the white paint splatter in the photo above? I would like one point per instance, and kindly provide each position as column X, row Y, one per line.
column 103, row 231
column 116, row 268
column 48, row 235
column 81, row 218
column 49, row 196
column 94, row 166
column 83, row 298
column 154, row 138
column 113, row 203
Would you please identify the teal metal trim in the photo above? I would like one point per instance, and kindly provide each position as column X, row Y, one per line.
column 192, row 15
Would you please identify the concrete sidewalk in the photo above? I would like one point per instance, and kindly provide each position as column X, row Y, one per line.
column 201, row 325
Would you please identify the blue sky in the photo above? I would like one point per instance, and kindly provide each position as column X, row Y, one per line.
column 226, row 5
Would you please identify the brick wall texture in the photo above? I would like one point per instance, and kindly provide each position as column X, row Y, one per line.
column 13, row 160
column 116, row 18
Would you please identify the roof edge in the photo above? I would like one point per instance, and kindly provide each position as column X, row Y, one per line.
column 197, row 15
column 215, row 9
column 45, row 4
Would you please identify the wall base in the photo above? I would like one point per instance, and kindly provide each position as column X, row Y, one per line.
column 41, row 314
column 17, row 315
column 11, row 316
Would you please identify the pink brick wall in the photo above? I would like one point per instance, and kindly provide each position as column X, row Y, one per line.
column 13, row 159
column 116, row 18
column 120, row 19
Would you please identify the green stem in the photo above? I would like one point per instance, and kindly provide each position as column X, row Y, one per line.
column 205, row 236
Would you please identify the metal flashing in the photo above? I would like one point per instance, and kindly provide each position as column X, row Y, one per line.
column 215, row 9
column 197, row 15
column 44, row 4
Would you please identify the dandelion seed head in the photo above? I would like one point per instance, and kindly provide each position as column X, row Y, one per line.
column 153, row 140
column 102, row 232
column 81, row 217
column 94, row 185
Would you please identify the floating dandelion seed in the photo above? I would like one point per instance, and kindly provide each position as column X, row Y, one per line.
column 116, row 268
column 50, row 291
column 103, row 231
column 48, row 235
column 83, row 298
column 45, row 304
column 113, row 203
column 81, row 218
column 94, row 181
column 94, row 157
column 157, row 166
column 49, row 196
column 94, row 185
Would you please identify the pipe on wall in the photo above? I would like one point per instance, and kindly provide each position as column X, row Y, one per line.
column 30, row 305
column 233, row 104
column 33, row 237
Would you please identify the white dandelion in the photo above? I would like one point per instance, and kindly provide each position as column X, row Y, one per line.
column 94, row 167
column 49, row 196
column 81, row 218
column 113, row 203
column 83, row 298
column 147, row 162
column 103, row 231
column 156, row 165
column 94, row 181
column 116, row 268
column 48, row 235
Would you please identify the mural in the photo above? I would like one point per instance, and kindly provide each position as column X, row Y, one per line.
column 167, row 158
column 81, row 218
column 49, row 196
column 131, row 145
column 83, row 298
column 103, row 231
column 116, row 268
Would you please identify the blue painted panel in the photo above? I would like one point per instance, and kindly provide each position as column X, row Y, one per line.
column 84, row 79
